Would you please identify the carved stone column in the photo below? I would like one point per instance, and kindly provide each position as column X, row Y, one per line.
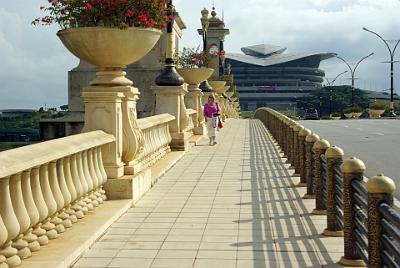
column 380, row 190
column 353, row 169
column 170, row 99
column 320, row 148
column 310, row 140
column 334, row 157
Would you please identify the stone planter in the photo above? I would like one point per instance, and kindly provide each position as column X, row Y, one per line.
column 357, row 115
column 111, row 49
column 375, row 113
column 335, row 117
column 110, row 100
column 194, row 76
column 349, row 115
column 218, row 86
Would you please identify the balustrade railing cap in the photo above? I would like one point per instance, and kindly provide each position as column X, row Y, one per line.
column 304, row 132
column 353, row 165
column 334, row 152
column 381, row 184
column 297, row 127
column 312, row 137
column 321, row 144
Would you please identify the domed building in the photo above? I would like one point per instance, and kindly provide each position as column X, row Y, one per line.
column 266, row 76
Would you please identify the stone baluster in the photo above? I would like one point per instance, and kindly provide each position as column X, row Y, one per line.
column 58, row 198
column 32, row 211
column 310, row 140
column 95, row 175
column 48, row 224
column 40, row 206
column 65, row 214
column 78, row 186
column 89, row 179
column 11, row 223
column 82, row 179
column 3, row 239
column 102, row 171
column 302, row 156
column 75, row 210
column 22, row 216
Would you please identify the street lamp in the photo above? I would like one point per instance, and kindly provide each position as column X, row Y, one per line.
column 170, row 77
column 204, row 86
column 330, row 102
column 392, row 61
column 330, row 83
column 352, row 71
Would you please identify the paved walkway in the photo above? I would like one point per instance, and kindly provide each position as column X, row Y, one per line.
column 230, row 205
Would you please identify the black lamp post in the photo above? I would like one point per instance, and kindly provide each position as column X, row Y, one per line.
column 392, row 61
column 331, row 83
column 352, row 71
column 170, row 77
column 320, row 107
column 204, row 86
column 330, row 102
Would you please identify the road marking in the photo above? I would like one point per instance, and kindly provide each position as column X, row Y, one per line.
column 359, row 129
column 380, row 134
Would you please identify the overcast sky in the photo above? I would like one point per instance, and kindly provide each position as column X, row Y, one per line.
column 34, row 64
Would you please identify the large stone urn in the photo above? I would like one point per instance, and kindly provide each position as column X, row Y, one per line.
column 193, row 99
column 110, row 100
column 373, row 113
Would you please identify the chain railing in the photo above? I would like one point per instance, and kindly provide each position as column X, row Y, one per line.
column 357, row 208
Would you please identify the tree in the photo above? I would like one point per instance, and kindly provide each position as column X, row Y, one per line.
column 64, row 107
column 341, row 99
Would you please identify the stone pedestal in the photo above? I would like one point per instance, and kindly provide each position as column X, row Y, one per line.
column 171, row 100
column 193, row 100
column 103, row 111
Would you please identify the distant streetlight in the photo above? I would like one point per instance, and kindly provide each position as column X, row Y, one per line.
column 352, row 71
column 392, row 61
column 331, row 83
column 330, row 102
column 205, row 23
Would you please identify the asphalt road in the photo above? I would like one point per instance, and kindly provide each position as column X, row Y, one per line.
column 376, row 142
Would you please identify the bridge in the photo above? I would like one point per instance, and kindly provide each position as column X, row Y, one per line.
column 269, row 194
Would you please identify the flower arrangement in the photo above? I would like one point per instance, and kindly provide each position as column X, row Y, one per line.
column 354, row 109
column 108, row 13
column 377, row 106
column 193, row 58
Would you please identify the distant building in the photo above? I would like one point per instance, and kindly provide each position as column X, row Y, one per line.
column 376, row 95
column 15, row 113
column 266, row 76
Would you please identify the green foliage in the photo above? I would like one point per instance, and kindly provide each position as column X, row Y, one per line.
column 326, row 117
column 33, row 120
column 341, row 99
column 354, row 109
column 336, row 115
column 247, row 115
column 64, row 107
column 377, row 105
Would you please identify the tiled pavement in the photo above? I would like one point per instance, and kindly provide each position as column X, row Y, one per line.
column 229, row 205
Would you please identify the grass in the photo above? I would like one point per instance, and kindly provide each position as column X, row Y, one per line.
column 247, row 114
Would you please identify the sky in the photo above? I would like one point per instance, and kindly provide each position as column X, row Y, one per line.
column 34, row 64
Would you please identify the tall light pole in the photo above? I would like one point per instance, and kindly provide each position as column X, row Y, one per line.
column 169, row 76
column 352, row 71
column 204, row 86
column 331, row 83
column 392, row 61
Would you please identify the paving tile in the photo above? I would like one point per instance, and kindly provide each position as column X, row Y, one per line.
column 207, row 263
column 137, row 253
column 130, row 263
column 93, row 262
column 175, row 263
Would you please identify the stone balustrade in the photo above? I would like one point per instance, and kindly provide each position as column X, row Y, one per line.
column 157, row 138
column 45, row 188
column 193, row 122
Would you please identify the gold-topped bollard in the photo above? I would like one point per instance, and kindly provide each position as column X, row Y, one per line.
column 291, row 141
column 302, row 155
column 289, row 138
column 320, row 148
column 380, row 190
column 296, row 162
column 353, row 169
column 334, row 158
column 310, row 140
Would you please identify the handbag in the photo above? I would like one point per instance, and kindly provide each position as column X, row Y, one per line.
column 219, row 123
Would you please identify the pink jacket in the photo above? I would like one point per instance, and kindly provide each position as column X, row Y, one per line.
column 210, row 110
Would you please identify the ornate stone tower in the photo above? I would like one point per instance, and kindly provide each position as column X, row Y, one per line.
column 215, row 37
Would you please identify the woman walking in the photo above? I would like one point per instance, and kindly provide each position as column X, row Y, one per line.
column 211, row 113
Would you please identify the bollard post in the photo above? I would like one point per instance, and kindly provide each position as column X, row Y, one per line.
column 296, row 162
column 310, row 140
column 302, row 156
column 284, row 138
column 353, row 169
column 320, row 148
column 334, row 158
column 380, row 190
column 291, row 141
